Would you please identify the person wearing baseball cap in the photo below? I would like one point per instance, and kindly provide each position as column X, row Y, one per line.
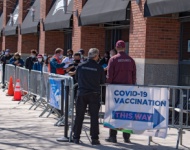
column 121, row 70
column 5, row 59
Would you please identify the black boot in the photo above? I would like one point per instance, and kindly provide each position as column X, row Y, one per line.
column 111, row 139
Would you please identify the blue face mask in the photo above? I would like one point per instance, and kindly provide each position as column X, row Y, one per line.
column 61, row 56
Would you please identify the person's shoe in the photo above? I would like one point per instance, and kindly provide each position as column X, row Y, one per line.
column 127, row 141
column 111, row 139
column 95, row 142
column 76, row 141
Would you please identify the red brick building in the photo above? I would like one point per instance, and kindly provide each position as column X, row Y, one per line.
column 157, row 33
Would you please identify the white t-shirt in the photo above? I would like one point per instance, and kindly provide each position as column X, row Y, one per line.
column 68, row 61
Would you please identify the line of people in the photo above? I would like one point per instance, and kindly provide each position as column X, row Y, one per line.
column 116, row 67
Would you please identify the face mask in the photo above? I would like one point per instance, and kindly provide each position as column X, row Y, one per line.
column 33, row 56
column 61, row 56
column 40, row 59
column 2, row 52
column 77, row 61
column 16, row 57
column 45, row 57
column 6, row 53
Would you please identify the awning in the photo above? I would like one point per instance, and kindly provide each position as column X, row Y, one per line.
column 102, row 11
column 56, row 18
column 29, row 24
column 162, row 7
column 12, row 24
column 1, row 23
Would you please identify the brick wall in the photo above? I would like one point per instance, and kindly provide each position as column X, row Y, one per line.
column 137, row 35
column 45, row 6
column 22, row 14
column 11, row 43
column 125, row 35
column 162, row 39
column 86, row 37
column 29, row 41
column 93, row 37
column 8, row 7
column 53, row 40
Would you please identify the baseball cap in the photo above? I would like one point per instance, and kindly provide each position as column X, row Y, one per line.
column 39, row 56
column 81, row 51
column 120, row 44
column 7, row 50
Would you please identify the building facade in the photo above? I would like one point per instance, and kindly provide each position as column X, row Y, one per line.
column 157, row 33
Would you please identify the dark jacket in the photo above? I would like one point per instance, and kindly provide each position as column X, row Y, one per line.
column 104, row 62
column 30, row 62
column 121, row 69
column 89, row 76
column 38, row 66
column 55, row 65
column 20, row 61
column 6, row 59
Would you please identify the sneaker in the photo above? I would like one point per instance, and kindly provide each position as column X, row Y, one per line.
column 127, row 141
column 76, row 141
column 95, row 142
column 111, row 139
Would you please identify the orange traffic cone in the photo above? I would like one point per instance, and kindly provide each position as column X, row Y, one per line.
column 17, row 93
column 11, row 88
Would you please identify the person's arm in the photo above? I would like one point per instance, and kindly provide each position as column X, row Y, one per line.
column 57, row 65
column 12, row 61
column 21, row 63
column 26, row 63
column 76, row 75
column 110, row 71
column 134, row 78
column 35, row 66
column 103, row 78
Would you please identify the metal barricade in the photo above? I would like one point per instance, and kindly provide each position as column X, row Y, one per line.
column 35, row 82
column 179, row 108
column 10, row 71
column 1, row 73
column 23, row 75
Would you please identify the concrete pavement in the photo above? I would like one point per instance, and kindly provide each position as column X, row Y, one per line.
column 22, row 129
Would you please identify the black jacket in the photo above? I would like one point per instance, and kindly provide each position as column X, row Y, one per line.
column 89, row 76
column 30, row 62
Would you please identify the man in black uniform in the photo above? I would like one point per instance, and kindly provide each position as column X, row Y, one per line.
column 89, row 76
column 31, row 60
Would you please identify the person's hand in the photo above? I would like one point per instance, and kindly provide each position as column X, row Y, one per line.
column 16, row 62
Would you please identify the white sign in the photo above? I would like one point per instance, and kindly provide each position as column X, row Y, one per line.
column 60, row 6
column 139, row 110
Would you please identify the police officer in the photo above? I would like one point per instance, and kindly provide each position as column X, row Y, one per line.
column 89, row 76
column 121, row 70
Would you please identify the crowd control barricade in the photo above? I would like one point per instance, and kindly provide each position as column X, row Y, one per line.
column 179, row 108
column 1, row 73
column 35, row 87
column 23, row 75
column 10, row 71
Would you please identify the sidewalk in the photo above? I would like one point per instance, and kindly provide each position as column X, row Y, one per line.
column 22, row 129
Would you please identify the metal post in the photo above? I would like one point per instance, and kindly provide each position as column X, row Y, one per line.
column 66, row 94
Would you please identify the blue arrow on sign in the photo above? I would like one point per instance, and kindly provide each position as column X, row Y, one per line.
column 155, row 118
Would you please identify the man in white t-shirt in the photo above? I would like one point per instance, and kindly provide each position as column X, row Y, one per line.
column 69, row 59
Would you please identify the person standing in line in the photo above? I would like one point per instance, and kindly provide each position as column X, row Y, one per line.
column 31, row 60
column 16, row 60
column 69, row 59
column 38, row 66
column 56, row 65
column 121, row 70
column 46, row 66
column 5, row 59
column 90, row 75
